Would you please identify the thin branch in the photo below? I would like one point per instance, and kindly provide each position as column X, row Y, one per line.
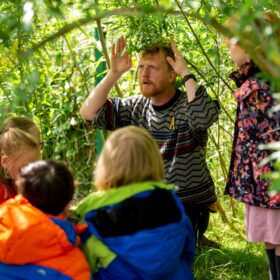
column 105, row 52
column 201, row 47
column 3, row 88
column 223, row 165
column 199, row 72
column 73, row 54
column 224, row 169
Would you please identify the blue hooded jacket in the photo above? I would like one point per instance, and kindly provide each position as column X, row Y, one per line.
column 138, row 231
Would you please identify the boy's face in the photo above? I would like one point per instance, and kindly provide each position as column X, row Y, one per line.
column 154, row 74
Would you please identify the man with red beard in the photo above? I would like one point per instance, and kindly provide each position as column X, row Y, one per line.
column 177, row 120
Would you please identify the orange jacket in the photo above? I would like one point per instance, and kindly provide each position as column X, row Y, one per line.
column 28, row 236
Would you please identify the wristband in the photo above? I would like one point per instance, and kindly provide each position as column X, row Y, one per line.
column 187, row 77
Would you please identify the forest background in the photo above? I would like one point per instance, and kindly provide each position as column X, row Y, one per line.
column 53, row 52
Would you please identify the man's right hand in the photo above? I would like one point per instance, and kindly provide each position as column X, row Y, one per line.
column 120, row 63
column 120, row 59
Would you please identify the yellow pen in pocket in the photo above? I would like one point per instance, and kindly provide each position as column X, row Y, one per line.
column 171, row 126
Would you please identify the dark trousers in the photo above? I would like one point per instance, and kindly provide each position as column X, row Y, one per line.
column 199, row 216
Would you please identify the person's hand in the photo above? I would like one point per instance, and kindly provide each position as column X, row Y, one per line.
column 275, row 198
column 120, row 59
column 179, row 65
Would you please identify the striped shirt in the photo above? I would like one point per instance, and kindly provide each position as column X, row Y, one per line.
column 180, row 129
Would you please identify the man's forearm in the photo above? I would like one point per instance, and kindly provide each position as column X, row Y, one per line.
column 98, row 96
column 179, row 65
column 190, row 86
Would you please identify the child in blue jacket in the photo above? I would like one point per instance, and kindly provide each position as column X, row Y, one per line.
column 137, row 226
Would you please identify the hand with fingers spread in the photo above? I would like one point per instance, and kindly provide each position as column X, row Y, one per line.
column 179, row 65
column 120, row 63
column 120, row 59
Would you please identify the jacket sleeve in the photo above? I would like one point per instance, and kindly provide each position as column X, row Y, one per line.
column 202, row 111
column 78, row 267
column 97, row 253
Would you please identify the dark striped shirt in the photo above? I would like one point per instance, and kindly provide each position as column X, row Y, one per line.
column 180, row 129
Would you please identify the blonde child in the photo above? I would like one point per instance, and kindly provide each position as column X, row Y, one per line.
column 17, row 149
column 36, row 242
column 137, row 226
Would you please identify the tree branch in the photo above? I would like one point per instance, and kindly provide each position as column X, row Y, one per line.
column 133, row 11
column 105, row 52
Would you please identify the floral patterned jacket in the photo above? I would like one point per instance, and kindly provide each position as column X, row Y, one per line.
column 254, row 125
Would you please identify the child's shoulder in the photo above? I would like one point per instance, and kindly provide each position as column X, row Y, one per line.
column 250, row 86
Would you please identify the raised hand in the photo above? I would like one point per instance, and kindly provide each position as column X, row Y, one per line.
column 179, row 65
column 120, row 59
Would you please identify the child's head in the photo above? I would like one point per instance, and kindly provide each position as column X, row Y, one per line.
column 46, row 184
column 129, row 155
column 260, row 26
column 17, row 149
column 25, row 124
column 237, row 53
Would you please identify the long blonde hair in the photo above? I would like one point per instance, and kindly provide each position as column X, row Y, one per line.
column 16, row 143
column 24, row 123
column 129, row 155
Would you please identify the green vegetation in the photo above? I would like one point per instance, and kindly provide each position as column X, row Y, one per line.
column 236, row 259
column 52, row 52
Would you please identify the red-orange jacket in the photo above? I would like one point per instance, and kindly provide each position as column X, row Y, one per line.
column 6, row 192
column 28, row 236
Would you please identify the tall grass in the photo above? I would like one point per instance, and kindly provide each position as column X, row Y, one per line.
column 236, row 258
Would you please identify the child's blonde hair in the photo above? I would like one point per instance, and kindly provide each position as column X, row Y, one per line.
column 129, row 155
column 15, row 143
column 24, row 123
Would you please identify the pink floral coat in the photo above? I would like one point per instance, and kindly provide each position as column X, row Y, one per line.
column 254, row 125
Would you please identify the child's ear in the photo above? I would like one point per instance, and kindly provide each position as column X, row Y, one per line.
column 4, row 161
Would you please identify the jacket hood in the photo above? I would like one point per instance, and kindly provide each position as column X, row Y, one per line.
column 27, row 235
column 100, row 199
column 154, row 253
column 157, row 253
